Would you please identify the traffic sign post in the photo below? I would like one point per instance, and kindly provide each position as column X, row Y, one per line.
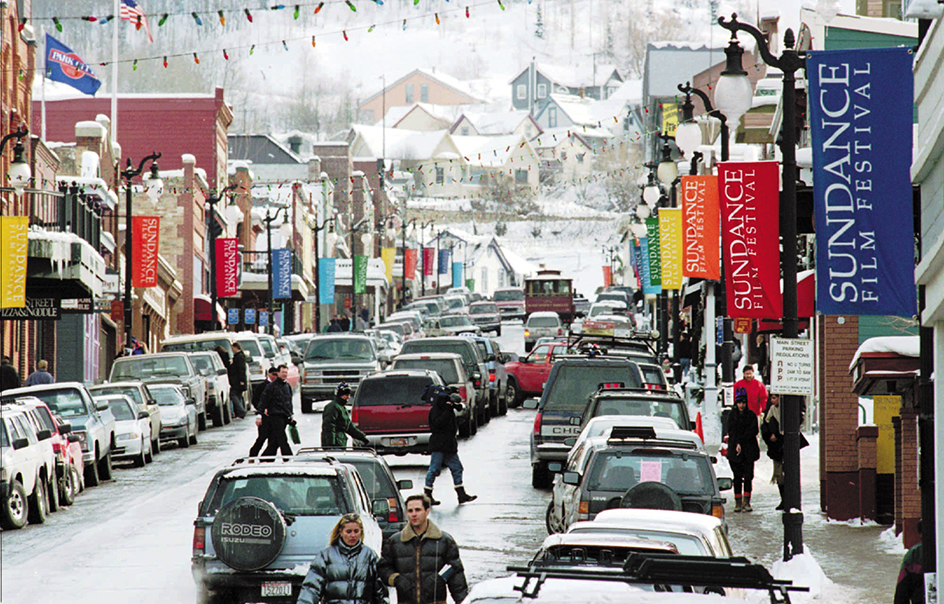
column 791, row 366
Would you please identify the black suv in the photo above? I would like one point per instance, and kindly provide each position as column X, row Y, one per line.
column 569, row 386
column 639, row 402
column 473, row 359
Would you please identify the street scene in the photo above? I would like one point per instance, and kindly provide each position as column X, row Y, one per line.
column 346, row 302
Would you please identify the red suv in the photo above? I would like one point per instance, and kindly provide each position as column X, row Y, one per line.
column 389, row 409
column 526, row 378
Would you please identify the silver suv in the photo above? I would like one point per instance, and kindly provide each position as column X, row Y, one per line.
column 336, row 358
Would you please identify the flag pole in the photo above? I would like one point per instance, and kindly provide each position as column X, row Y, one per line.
column 42, row 35
column 114, row 73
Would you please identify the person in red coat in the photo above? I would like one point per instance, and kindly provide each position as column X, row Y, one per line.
column 756, row 392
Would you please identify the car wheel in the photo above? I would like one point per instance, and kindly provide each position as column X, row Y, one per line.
column 306, row 405
column 548, row 519
column 498, row 331
column 513, row 394
column 68, row 486
column 473, row 423
column 503, row 402
column 217, row 415
column 141, row 460
column 92, row 479
column 540, row 476
column 149, row 458
column 227, row 414
column 202, row 421
column 105, row 471
column 14, row 508
column 36, row 510
column 52, row 491
column 193, row 438
column 493, row 405
column 465, row 427
column 156, row 445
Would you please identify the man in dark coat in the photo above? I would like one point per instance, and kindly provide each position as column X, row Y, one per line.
column 422, row 561
column 336, row 422
column 263, row 424
column 276, row 404
column 9, row 378
column 237, row 381
column 443, row 446
column 345, row 322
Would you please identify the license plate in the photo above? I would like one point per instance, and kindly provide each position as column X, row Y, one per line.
column 279, row 588
column 399, row 442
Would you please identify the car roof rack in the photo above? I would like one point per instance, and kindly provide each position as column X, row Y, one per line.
column 663, row 570
column 266, row 459
column 627, row 432
column 355, row 449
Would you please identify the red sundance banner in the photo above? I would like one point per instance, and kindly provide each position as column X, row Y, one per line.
column 751, row 238
column 227, row 267
column 429, row 259
column 607, row 275
column 700, row 230
column 410, row 259
column 145, row 236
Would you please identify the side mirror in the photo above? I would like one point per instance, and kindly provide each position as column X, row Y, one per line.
column 65, row 428
column 725, row 484
column 692, row 425
column 500, row 359
column 101, row 405
column 296, row 360
column 570, row 442
column 531, row 403
column 20, row 443
column 143, row 415
column 380, row 507
column 555, row 467
column 74, row 438
column 191, row 401
column 404, row 485
column 571, row 478
column 44, row 434
column 490, row 358
column 221, row 371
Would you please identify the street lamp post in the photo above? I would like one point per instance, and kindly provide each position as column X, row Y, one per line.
column 153, row 190
column 315, row 230
column 19, row 174
column 212, row 201
column 734, row 90
column 269, row 219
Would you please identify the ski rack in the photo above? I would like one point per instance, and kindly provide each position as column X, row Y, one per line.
column 663, row 571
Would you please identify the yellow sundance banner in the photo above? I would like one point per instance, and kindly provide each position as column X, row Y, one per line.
column 13, row 248
column 387, row 254
column 669, row 118
column 670, row 247
column 884, row 409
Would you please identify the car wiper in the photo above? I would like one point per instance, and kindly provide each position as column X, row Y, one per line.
column 317, row 358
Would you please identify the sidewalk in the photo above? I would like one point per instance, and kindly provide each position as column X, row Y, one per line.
column 860, row 565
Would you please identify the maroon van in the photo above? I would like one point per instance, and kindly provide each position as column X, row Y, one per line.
column 389, row 409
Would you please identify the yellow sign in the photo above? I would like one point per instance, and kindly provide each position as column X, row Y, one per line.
column 884, row 408
column 669, row 118
column 14, row 242
column 670, row 247
column 387, row 254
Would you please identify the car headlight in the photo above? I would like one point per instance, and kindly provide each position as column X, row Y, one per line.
column 182, row 421
column 83, row 439
column 129, row 436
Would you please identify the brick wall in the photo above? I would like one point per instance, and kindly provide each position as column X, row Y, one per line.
column 908, row 495
column 336, row 162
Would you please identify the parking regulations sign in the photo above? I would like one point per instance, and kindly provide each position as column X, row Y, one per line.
column 249, row 316
column 791, row 366
column 263, row 318
column 232, row 316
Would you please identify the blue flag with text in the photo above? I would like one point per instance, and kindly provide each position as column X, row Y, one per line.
column 281, row 274
column 63, row 65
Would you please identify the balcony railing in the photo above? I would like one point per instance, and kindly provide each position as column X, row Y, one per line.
column 68, row 211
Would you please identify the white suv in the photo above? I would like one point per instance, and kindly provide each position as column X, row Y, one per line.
column 27, row 468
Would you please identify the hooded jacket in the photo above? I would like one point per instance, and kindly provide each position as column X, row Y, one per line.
column 742, row 430
column 420, row 561
column 443, row 428
column 336, row 424
column 342, row 574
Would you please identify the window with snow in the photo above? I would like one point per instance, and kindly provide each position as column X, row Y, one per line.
column 440, row 176
column 522, row 91
column 552, row 117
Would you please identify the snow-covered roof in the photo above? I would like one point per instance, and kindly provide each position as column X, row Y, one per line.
column 451, row 82
column 488, row 151
column 586, row 111
column 497, row 123
column 401, row 144
column 906, row 346
column 519, row 265
column 629, row 91
column 575, row 75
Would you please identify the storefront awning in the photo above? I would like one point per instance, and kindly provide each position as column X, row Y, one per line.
column 201, row 310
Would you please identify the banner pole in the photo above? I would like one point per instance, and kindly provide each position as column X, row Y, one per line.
column 114, row 74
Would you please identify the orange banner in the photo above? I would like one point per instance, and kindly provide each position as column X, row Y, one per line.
column 701, row 216
column 607, row 275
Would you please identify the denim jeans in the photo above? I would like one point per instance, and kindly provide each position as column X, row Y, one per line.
column 436, row 462
column 238, row 408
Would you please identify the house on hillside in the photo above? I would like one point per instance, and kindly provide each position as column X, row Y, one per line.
column 497, row 161
column 588, row 117
column 495, row 124
column 271, row 161
column 564, row 155
column 418, row 86
column 488, row 264
column 531, row 88
column 426, row 117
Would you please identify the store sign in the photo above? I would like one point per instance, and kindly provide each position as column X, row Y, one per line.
column 791, row 366
column 36, row 309
column 146, row 231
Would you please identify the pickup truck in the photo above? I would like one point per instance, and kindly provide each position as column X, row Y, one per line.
column 335, row 358
column 92, row 421
column 165, row 368
column 526, row 378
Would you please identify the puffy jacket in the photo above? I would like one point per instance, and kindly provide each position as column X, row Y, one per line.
column 336, row 424
column 237, row 372
column 413, row 564
column 344, row 575
column 443, row 427
column 276, row 399
column 742, row 430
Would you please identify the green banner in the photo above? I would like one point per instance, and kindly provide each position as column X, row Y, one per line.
column 655, row 258
column 470, row 283
column 360, row 274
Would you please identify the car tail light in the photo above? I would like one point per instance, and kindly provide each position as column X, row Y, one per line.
column 583, row 510
column 355, row 415
column 560, row 331
column 526, row 333
column 491, row 377
column 392, row 515
column 464, row 393
column 537, row 424
column 199, row 540
column 717, row 511
column 654, row 387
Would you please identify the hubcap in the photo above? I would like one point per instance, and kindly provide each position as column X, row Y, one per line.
column 16, row 503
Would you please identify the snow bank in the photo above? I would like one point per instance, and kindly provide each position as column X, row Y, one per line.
column 890, row 543
column 804, row 571
column 906, row 346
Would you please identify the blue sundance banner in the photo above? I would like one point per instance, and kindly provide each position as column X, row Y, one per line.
column 63, row 65
column 861, row 108
column 281, row 274
column 647, row 287
column 444, row 262
column 457, row 274
column 326, row 271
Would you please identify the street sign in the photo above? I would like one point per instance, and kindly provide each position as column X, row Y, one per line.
column 249, row 316
column 720, row 330
column 232, row 316
column 263, row 318
column 791, row 366
column 36, row 309
column 743, row 325
column 117, row 310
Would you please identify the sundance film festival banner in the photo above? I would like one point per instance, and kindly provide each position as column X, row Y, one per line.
column 281, row 274
column 645, row 269
column 388, row 255
column 700, row 230
column 227, row 267
column 146, row 231
column 655, row 260
column 410, row 259
column 670, row 247
column 429, row 259
column 750, row 227
column 457, row 274
column 444, row 262
column 326, row 274
column 360, row 274
column 861, row 119
column 14, row 245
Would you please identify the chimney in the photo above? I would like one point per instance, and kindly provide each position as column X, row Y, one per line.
column 314, row 169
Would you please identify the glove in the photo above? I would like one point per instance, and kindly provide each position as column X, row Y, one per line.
column 292, row 422
column 364, row 442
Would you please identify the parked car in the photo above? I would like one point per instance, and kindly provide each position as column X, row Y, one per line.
column 539, row 325
column 309, row 494
column 607, row 307
column 178, row 414
column 510, row 302
column 165, row 368
column 412, row 316
column 211, row 367
column 527, row 376
column 614, row 399
column 388, row 408
column 277, row 356
column 404, row 329
column 692, row 534
column 581, row 305
column 472, row 359
column 92, row 421
column 497, row 376
column 450, row 368
column 28, row 468
column 616, row 295
column 209, row 340
column 434, row 304
column 451, row 325
column 486, row 316
column 139, row 393
column 595, row 550
column 335, row 358
column 456, row 303
column 132, row 430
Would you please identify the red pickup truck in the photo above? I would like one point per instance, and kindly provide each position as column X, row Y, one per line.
column 526, row 377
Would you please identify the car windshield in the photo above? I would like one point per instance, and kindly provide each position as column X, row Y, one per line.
column 508, row 295
column 296, row 494
column 460, row 348
column 167, row 397
column 375, row 480
column 121, row 410
column 339, row 348
column 482, row 309
column 651, row 374
column 543, row 321
column 267, row 347
column 446, row 368
column 145, row 367
column 396, row 327
column 572, row 385
column 687, row 545
column 641, row 406
column 252, row 347
column 455, row 321
column 454, row 303
column 129, row 391
column 619, row 470
column 612, row 296
column 4, row 438
column 202, row 364
column 196, row 346
column 67, row 403
column 391, row 390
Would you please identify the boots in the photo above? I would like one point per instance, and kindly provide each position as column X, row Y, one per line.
column 429, row 493
column 780, row 506
column 747, row 503
column 463, row 496
column 738, row 505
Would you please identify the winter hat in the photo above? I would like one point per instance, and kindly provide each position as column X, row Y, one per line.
column 740, row 395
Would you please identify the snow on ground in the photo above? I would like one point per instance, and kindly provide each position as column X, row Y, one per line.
column 891, row 543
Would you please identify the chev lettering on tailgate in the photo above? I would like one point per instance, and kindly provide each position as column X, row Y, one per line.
column 560, row 431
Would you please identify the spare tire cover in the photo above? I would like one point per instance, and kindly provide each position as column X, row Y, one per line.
column 653, row 496
column 248, row 533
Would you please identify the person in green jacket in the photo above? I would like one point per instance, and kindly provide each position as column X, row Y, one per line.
column 336, row 422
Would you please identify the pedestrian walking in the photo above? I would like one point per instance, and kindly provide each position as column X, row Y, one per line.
column 772, row 433
column 422, row 561
column 237, row 381
column 276, row 404
column 743, row 449
column 756, row 392
column 443, row 444
column 263, row 425
column 345, row 572
column 345, row 323
column 336, row 422
column 40, row 376
column 9, row 376
column 224, row 357
column 334, row 326
column 762, row 358
column 685, row 352
column 910, row 586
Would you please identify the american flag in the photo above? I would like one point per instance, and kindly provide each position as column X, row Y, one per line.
column 130, row 11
